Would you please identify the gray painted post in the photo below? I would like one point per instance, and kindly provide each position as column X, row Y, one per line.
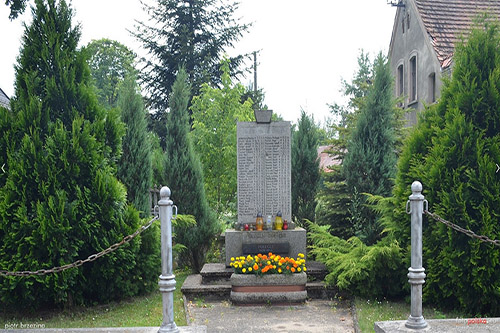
column 167, row 278
column 416, row 275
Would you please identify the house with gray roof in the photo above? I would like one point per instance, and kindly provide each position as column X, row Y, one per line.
column 424, row 36
column 4, row 99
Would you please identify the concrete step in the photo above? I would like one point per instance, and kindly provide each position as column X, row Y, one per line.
column 215, row 272
column 316, row 271
column 194, row 289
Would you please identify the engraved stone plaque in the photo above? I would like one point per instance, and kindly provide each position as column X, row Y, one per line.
column 264, row 170
column 276, row 248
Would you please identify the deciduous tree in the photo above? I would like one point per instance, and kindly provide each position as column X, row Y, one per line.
column 110, row 64
column 215, row 113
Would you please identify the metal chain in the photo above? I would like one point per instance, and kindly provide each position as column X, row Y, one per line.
column 468, row 232
column 78, row 263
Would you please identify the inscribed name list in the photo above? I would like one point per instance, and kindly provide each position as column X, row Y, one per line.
column 264, row 170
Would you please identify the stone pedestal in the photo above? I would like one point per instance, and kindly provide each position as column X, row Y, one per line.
column 287, row 243
column 265, row 289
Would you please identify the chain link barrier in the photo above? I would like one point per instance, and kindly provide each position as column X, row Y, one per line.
column 468, row 232
column 90, row 258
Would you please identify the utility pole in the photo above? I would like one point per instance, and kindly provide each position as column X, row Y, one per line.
column 255, row 71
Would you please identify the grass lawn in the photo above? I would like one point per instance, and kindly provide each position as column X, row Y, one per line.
column 370, row 311
column 138, row 311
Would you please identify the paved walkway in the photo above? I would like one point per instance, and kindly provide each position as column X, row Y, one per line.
column 319, row 316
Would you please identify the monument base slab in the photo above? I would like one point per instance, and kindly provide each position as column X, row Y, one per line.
column 268, row 289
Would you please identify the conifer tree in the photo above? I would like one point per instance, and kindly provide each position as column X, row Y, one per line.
column 453, row 151
column 193, row 34
column 334, row 199
column 184, row 176
column 370, row 162
column 61, row 201
column 134, row 168
column 305, row 168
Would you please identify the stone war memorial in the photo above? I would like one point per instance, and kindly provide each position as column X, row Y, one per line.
column 264, row 189
column 264, row 212
column 264, row 226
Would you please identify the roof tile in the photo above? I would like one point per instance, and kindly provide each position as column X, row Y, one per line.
column 447, row 20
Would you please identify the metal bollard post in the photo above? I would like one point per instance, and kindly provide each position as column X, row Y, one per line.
column 416, row 275
column 167, row 278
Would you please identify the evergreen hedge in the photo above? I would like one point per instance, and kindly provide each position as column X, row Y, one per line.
column 60, row 200
column 453, row 151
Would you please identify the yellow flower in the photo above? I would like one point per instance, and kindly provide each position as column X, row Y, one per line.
column 301, row 255
column 305, row 269
column 279, row 270
column 298, row 269
column 268, row 262
column 244, row 270
column 232, row 258
column 249, row 269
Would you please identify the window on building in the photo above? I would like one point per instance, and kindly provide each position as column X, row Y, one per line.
column 432, row 88
column 408, row 21
column 400, row 82
column 403, row 25
column 413, row 79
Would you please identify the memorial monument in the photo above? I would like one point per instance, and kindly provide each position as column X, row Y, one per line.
column 264, row 186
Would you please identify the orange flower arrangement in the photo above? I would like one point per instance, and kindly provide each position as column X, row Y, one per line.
column 268, row 264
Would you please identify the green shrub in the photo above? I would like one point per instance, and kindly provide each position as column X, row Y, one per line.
column 369, row 271
column 60, row 200
column 453, row 151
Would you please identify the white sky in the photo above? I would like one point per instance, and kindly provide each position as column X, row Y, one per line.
column 306, row 46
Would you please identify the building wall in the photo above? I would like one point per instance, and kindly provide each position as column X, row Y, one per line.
column 4, row 100
column 413, row 41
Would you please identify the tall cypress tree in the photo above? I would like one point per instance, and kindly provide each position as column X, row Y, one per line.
column 370, row 162
column 453, row 151
column 134, row 168
column 184, row 176
column 61, row 201
column 305, row 168
column 334, row 199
